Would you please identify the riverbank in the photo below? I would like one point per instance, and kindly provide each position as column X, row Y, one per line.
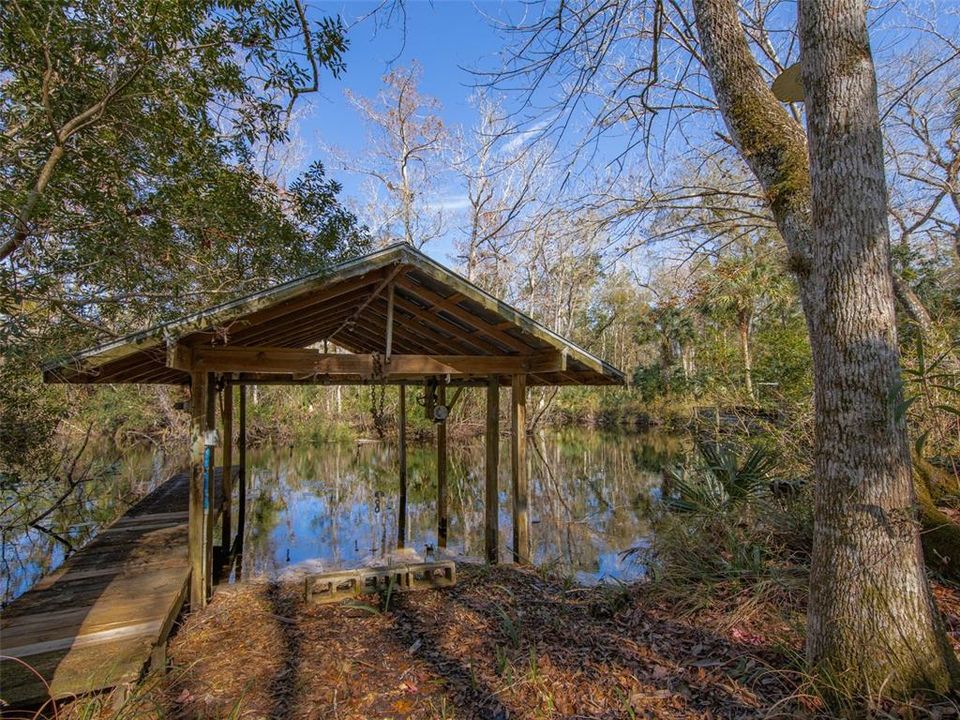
column 506, row 642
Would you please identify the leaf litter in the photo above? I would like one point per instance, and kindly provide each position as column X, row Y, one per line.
column 504, row 643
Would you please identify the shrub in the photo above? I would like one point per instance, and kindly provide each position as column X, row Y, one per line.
column 727, row 530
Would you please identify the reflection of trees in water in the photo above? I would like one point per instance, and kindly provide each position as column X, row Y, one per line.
column 657, row 452
column 589, row 497
column 114, row 481
column 590, row 494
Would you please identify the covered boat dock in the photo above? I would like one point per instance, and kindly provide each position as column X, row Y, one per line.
column 394, row 317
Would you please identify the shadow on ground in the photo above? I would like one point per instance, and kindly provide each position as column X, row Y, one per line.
column 504, row 643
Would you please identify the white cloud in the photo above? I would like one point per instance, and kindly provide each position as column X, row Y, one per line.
column 450, row 202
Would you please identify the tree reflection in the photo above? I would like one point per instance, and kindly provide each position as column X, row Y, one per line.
column 334, row 506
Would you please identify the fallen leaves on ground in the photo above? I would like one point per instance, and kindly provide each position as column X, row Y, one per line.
column 504, row 643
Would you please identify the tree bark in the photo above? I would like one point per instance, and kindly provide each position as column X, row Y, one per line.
column 25, row 216
column 871, row 610
column 872, row 623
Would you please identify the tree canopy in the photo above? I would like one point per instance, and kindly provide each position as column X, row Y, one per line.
column 130, row 138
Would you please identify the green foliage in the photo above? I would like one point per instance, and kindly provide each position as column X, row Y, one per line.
column 29, row 417
column 130, row 137
column 723, row 528
column 146, row 100
column 655, row 381
column 131, row 192
column 782, row 362
column 723, row 483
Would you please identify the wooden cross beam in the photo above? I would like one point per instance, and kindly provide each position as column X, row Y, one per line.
column 308, row 362
column 373, row 296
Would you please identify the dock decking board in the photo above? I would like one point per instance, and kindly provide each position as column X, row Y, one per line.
column 94, row 623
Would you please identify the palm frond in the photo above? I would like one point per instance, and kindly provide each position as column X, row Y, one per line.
column 722, row 482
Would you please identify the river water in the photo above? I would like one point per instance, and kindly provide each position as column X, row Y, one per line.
column 334, row 505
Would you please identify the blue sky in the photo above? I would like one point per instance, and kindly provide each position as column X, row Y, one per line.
column 450, row 37
column 446, row 37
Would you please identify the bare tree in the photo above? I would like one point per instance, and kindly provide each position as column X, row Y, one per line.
column 405, row 156
column 922, row 145
column 502, row 174
column 872, row 620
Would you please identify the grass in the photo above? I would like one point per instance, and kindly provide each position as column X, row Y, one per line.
column 509, row 627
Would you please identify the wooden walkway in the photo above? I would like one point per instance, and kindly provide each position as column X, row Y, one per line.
column 98, row 620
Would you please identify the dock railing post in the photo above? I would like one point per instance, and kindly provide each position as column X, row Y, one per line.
column 518, row 469
column 442, row 472
column 242, row 474
column 210, row 497
column 492, row 492
column 227, row 494
column 196, row 506
column 402, row 442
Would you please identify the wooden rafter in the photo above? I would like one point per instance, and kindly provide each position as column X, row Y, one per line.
column 373, row 296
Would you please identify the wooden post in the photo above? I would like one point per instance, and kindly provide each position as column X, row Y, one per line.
column 389, row 343
column 492, row 515
column 402, row 510
column 227, row 495
column 209, row 462
column 242, row 475
column 196, row 510
column 442, row 472
column 518, row 468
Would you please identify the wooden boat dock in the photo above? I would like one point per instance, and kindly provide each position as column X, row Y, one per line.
column 101, row 619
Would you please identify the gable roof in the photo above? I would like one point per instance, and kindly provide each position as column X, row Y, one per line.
column 436, row 312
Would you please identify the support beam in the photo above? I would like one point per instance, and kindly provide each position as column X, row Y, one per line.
column 242, row 475
column 373, row 296
column 518, row 469
column 389, row 343
column 492, row 493
column 402, row 442
column 305, row 361
column 196, row 514
column 209, row 463
column 342, row 381
column 442, row 472
column 226, row 499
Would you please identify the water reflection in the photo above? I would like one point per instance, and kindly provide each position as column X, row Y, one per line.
column 112, row 481
column 335, row 506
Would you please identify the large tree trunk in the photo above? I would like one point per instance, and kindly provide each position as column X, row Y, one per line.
column 871, row 610
column 872, row 622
